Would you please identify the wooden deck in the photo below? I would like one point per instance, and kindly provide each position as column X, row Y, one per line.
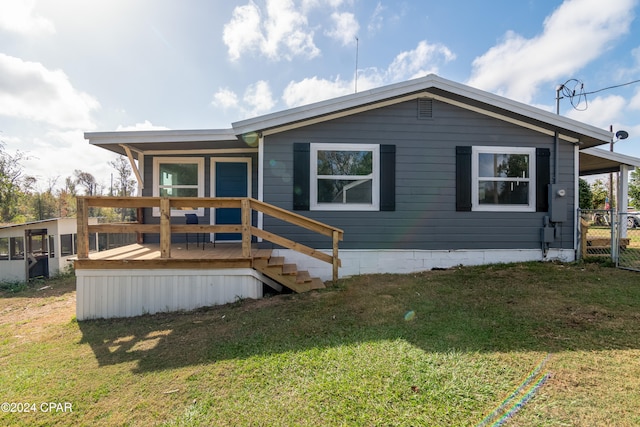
column 148, row 256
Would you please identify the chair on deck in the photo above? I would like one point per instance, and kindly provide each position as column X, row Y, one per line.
column 193, row 219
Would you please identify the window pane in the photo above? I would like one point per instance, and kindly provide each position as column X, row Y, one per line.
column 503, row 193
column 38, row 244
column 503, row 165
column 52, row 252
column 344, row 191
column 345, row 162
column 4, row 248
column 66, row 245
column 178, row 174
column 178, row 192
column 17, row 247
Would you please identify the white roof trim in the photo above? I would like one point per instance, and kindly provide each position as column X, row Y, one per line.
column 398, row 91
column 155, row 136
column 612, row 156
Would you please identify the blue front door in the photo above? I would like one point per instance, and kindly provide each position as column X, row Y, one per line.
column 230, row 181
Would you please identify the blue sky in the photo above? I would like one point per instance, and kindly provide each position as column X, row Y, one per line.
column 70, row 66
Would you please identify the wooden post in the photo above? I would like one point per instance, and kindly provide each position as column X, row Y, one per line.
column 139, row 220
column 82, row 214
column 165, row 228
column 584, row 229
column 246, row 228
column 335, row 256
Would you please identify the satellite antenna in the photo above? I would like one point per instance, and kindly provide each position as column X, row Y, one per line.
column 622, row 134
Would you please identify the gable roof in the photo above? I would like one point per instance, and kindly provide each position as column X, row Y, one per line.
column 430, row 86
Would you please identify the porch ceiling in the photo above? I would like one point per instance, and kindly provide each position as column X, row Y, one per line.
column 594, row 161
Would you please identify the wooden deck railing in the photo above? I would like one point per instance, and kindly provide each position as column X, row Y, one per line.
column 165, row 228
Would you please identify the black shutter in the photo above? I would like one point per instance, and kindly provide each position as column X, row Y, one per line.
column 543, row 178
column 463, row 178
column 301, row 176
column 387, row 177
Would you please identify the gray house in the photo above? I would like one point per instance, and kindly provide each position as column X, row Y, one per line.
column 420, row 174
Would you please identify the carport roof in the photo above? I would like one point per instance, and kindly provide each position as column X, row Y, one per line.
column 594, row 161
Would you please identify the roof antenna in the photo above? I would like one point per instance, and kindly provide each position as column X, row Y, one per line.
column 356, row 78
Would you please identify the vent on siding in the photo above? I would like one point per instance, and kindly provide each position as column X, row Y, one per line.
column 425, row 108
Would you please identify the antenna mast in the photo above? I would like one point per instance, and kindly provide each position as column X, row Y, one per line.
column 356, row 78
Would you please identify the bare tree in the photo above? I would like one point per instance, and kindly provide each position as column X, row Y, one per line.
column 11, row 182
column 86, row 180
column 125, row 185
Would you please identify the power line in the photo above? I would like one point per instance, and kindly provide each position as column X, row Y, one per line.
column 612, row 87
column 579, row 93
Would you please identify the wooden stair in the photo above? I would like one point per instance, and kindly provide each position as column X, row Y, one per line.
column 286, row 274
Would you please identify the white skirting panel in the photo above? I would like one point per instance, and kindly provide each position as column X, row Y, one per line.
column 356, row 262
column 127, row 293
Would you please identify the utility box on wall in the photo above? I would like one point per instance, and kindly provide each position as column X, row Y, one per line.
column 557, row 203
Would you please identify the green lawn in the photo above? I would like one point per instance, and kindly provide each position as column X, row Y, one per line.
column 560, row 341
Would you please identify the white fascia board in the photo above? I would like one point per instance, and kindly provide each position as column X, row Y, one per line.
column 612, row 156
column 154, row 136
column 398, row 92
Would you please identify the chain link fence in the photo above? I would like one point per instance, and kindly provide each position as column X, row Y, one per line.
column 628, row 238
column 598, row 229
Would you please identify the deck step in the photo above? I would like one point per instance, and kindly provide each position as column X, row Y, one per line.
column 287, row 274
column 316, row 283
column 262, row 254
column 303, row 276
column 289, row 269
column 276, row 261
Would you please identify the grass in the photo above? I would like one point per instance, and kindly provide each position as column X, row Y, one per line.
column 343, row 356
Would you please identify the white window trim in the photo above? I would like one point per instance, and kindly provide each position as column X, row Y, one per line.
column 313, row 177
column 156, row 182
column 475, row 204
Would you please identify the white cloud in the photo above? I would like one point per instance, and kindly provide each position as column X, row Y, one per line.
column 57, row 154
column 601, row 111
column 313, row 89
column 17, row 17
column 576, row 33
column 282, row 32
column 424, row 59
column 307, row 5
column 225, row 98
column 28, row 90
column 258, row 96
column 257, row 99
column 376, row 20
column 243, row 32
column 345, row 29
column 146, row 125
column 634, row 104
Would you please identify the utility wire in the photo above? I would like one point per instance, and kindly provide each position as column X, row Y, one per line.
column 613, row 87
column 580, row 94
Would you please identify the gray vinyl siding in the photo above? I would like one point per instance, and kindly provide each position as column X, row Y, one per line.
column 425, row 214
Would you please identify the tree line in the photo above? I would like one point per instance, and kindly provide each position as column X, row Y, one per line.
column 22, row 198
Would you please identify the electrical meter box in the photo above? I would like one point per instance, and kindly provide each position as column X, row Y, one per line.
column 557, row 203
